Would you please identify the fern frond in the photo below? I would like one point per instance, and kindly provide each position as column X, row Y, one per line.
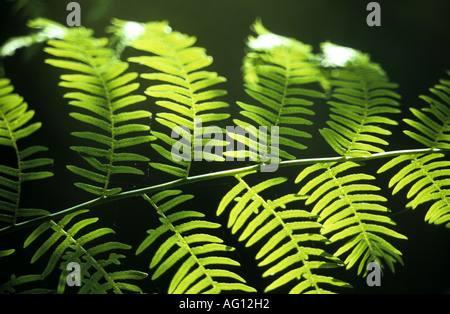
column 200, row 257
column 427, row 175
column 349, row 210
column 285, row 233
column 186, row 90
column 433, row 127
column 429, row 179
column 363, row 99
column 103, row 92
column 14, row 126
column 277, row 71
column 77, row 243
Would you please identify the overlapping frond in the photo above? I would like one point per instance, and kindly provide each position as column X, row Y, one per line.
column 363, row 97
column 14, row 126
column 290, row 235
column 103, row 93
column 200, row 258
column 350, row 210
column 186, row 89
column 74, row 240
column 277, row 71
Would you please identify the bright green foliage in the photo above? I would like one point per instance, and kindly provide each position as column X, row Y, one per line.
column 285, row 232
column 429, row 180
column 337, row 204
column 185, row 92
column 79, row 243
column 14, row 126
column 199, row 258
column 104, row 94
column 278, row 73
column 435, row 129
column 349, row 210
column 362, row 97
column 428, row 177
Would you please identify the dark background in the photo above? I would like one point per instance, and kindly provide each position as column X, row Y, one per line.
column 412, row 46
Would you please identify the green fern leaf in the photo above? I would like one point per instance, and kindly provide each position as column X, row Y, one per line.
column 349, row 210
column 285, row 233
column 14, row 126
column 198, row 256
column 433, row 127
column 428, row 176
column 185, row 91
column 362, row 97
column 69, row 246
column 103, row 92
column 274, row 70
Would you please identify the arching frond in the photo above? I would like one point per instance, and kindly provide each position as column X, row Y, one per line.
column 14, row 127
column 103, row 95
column 286, row 232
column 350, row 210
column 201, row 258
column 429, row 179
column 277, row 71
column 427, row 175
column 186, row 90
column 433, row 127
column 76, row 241
column 363, row 99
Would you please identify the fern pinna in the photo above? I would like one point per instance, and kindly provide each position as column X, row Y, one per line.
column 188, row 248
column 104, row 94
column 277, row 71
column 14, row 118
column 186, row 91
column 72, row 247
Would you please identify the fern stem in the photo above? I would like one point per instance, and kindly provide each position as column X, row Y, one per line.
column 210, row 176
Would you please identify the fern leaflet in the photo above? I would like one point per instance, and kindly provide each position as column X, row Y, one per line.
column 276, row 71
column 86, row 252
column 435, row 129
column 186, row 244
column 350, row 210
column 185, row 92
column 14, row 118
column 103, row 92
column 363, row 95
